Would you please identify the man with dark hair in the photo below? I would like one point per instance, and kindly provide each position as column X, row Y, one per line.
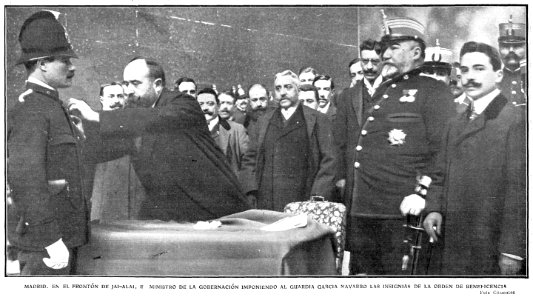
column 186, row 85
column 290, row 156
column 227, row 101
column 45, row 170
column 258, row 103
column 230, row 137
column 352, row 102
column 355, row 71
column 326, row 92
column 483, row 197
column 389, row 143
column 512, row 44
column 183, row 171
column 308, row 95
column 112, row 96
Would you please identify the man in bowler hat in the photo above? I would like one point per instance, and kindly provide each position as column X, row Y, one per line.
column 45, row 168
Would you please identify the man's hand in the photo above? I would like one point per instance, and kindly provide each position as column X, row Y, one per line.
column 85, row 112
column 340, row 186
column 412, row 205
column 433, row 224
column 508, row 265
column 58, row 253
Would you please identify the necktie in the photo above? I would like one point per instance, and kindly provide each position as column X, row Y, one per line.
column 471, row 114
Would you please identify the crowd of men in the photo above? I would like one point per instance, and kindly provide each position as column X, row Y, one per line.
column 414, row 134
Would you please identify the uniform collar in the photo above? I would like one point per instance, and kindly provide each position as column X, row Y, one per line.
column 40, row 87
column 404, row 76
column 39, row 82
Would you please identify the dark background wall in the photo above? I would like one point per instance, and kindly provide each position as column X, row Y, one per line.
column 235, row 45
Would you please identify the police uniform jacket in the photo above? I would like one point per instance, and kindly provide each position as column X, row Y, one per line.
column 511, row 86
column 399, row 139
column 44, row 146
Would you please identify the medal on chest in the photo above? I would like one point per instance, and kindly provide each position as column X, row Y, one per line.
column 408, row 95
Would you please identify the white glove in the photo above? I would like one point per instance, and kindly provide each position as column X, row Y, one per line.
column 412, row 205
column 58, row 253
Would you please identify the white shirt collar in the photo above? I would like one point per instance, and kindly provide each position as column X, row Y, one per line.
column 480, row 104
column 324, row 109
column 287, row 113
column 372, row 87
column 461, row 99
column 39, row 82
column 213, row 123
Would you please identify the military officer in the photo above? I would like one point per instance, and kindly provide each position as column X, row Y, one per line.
column 397, row 143
column 512, row 44
column 45, row 168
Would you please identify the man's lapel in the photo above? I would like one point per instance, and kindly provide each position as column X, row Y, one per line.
column 224, row 134
column 473, row 126
column 357, row 101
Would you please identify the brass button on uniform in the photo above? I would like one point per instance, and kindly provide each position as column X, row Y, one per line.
column 356, row 164
column 385, row 96
column 358, row 148
column 370, row 118
column 376, row 107
column 363, row 132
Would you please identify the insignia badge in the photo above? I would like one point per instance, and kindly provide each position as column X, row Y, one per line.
column 396, row 137
column 408, row 96
column 26, row 93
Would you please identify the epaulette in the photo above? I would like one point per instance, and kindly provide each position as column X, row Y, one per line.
column 26, row 93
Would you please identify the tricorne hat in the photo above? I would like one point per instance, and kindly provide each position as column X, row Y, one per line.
column 512, row 32
column 43, row 36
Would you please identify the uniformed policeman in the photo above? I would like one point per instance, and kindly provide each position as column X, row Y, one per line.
column 394, row 151
column 45, row 166
column 438, row 63
column 512, row 44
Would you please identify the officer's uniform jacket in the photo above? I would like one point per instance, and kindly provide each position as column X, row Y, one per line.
column 44, row 150
column 399, row 139
column 511, row 86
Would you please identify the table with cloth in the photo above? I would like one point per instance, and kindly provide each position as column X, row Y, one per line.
column 237, row 248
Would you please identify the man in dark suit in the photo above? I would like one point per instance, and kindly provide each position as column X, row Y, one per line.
column 394, row 143
column 186, row 176
column 350, row 106
column 45, row 152
column 483, row 199
column 326, row 91
column 291, row 155
column 230, row 137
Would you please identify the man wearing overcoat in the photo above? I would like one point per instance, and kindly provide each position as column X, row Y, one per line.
column 291, row 154
column 480, row 212
column 185, row 174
